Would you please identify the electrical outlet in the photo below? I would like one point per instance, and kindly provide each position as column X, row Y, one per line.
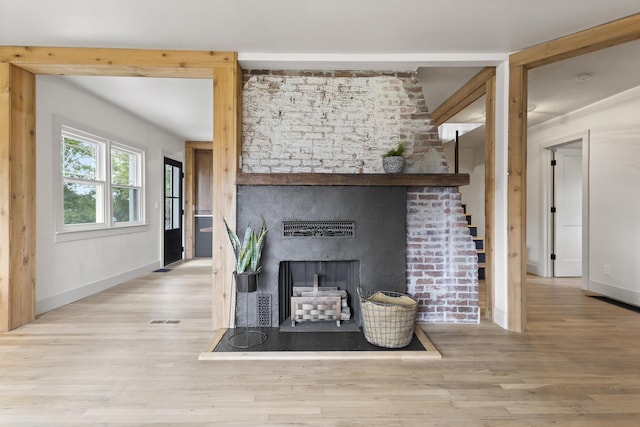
column 607, row 269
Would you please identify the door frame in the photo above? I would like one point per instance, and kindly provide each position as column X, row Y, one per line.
column 546, row 232
column 18, row 67
column 182, row 210
column 582, row 42
column 190, row 148
column 482, row 84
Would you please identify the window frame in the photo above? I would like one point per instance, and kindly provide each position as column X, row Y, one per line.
column 138, row 185
column 105, row 222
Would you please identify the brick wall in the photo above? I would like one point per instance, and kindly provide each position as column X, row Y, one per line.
column 335, row 122
column 442, row 270
column 342, row 122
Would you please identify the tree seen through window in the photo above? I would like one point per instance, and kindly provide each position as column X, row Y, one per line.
column 93, row 168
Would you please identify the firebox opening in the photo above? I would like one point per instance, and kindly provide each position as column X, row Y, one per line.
column 328, row 276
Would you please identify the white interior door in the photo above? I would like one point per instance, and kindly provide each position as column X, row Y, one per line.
column 568, row 216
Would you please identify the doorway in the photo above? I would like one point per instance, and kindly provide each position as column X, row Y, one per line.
column 173, row 212
column 566, row 210
column 566, row 207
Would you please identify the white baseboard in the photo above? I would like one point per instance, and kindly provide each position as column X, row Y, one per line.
column 50, row 303
column 500, row 318
column 613, row 292
column 534, row 269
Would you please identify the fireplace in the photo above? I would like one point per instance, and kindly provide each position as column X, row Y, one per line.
column 316, row 131
column 348, row 236
column 315, row 279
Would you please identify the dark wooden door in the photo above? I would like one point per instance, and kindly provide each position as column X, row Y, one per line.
column 173, row 211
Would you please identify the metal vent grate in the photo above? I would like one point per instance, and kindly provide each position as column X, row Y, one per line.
column 331, row 229
column 264, row 310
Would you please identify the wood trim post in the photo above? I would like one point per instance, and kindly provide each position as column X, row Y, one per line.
column 226, row 151
column 517, row 198
column 17, row 196
column 489, row 192
column 189, row 189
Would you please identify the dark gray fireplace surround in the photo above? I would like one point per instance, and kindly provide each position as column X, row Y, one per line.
column 379, row 241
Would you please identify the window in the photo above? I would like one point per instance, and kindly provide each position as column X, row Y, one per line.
column 101, row 182
column 125, row 185
column 83, row 180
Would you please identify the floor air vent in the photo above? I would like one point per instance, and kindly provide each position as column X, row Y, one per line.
column 328, row 229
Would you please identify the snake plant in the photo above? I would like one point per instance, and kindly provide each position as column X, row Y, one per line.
column 249, row 251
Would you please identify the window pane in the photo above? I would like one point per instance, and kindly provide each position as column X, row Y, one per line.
column 168, row 175
column 123, row 168
column 80, row 203
column 79, row 158
column 126, row 204
column 176, row 182
column 167, row 215
column 176, row 213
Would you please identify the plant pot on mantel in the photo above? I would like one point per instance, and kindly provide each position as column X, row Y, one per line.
column 393, row 164
column 246, row 282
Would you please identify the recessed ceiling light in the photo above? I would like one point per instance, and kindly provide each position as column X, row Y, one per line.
column 583, row 77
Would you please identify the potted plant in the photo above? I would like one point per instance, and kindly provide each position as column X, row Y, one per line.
column 392, row 160
column 248, row 254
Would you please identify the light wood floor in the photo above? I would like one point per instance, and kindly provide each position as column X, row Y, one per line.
column 100, row 362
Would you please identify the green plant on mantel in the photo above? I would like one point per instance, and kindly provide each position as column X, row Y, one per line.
column 249, row 251
column 395, row 152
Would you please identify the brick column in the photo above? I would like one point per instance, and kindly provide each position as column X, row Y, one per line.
column 441, row 257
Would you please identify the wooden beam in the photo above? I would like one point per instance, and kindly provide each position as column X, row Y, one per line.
column 473, row 90
column 590, row 40
column 517, row 197
column 385, row 180
column 199, row 145
column 489, row 191
column 226, row 151
column 117, row 62
column 17, row 197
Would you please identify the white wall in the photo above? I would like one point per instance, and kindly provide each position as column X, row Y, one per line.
column 500, row 246
column 70, row 270
column 614, row 174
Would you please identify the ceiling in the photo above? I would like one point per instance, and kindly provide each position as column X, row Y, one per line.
column 561, row 87
column 448, row 42
column 182, row 107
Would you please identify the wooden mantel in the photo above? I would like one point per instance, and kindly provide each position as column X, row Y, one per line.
column 406, row 180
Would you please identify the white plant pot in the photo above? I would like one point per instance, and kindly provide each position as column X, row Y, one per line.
column 393, row 164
